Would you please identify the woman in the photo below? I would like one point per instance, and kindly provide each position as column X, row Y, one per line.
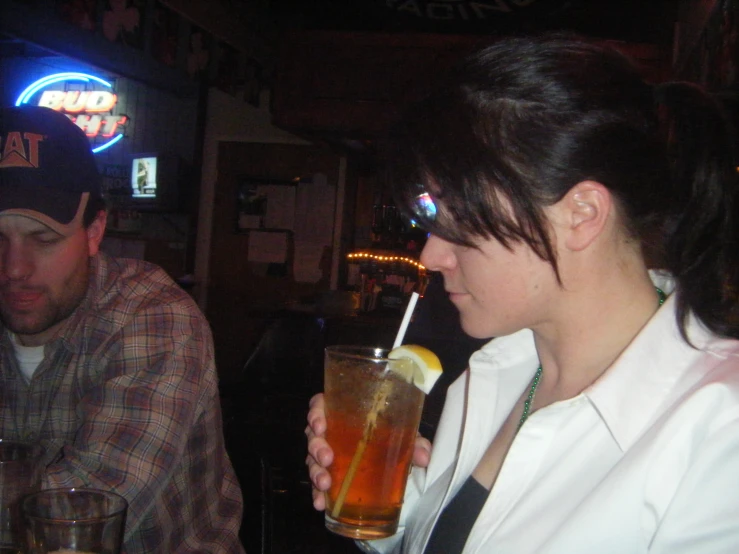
column 605, row 416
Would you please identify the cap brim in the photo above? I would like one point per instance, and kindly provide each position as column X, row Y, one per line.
column 60, row 211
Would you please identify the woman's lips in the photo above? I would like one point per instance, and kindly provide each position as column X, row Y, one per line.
column 456, row 295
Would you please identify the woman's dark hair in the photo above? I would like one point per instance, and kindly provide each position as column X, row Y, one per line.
column 518, row 124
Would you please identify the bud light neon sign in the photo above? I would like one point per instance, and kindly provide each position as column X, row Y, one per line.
column 87, row 100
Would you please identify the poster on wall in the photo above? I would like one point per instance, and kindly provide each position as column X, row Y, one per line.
column 80, row 13
column 265, row 205
column 198, row 56
column 269, row 248
column 252, row 81
column 314, row 228
column 164, row 36
column 229, row 75
column 122, row 22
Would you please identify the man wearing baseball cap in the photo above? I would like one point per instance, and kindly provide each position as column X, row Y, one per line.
column 105, row 362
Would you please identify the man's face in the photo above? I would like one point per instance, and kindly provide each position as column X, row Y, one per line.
column 43, row 275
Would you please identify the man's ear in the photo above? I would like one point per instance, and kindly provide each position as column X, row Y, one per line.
column 587, row 207
column 95, row 232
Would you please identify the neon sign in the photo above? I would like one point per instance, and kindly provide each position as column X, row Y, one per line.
column 89, row 105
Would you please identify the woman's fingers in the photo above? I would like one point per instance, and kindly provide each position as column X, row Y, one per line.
column 317, row 415
column 318, row 448
column 319, row 500
column 422, row 452
column 320, row 451
column 320, row 454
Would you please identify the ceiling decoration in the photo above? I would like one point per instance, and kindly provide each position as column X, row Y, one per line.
column 634, row 20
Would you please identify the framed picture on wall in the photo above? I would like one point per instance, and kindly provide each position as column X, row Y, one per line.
column 164, row 35
column 122, row 22
column 198, row 56
column 80, row 13
column 252, row 81
column 265, row 205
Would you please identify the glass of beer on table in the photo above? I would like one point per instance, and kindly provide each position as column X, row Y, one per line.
column 20, row 474
column 78, row 520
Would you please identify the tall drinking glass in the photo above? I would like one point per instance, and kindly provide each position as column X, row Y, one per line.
column 20, row 474
column 372, row 417
column 74, row 520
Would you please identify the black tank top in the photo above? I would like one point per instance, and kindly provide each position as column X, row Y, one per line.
column 456, row 520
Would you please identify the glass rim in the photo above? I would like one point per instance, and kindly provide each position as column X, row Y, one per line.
column 359, row 352
column 32, row 450
column 119, row 507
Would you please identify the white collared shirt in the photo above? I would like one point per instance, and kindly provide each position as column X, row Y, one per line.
column 644, row 460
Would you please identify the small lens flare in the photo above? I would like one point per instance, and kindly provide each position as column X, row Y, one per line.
column 425, row 207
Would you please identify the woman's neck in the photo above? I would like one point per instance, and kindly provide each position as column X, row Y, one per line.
column 596, row 320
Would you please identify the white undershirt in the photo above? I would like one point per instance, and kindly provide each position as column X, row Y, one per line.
column 29, row 357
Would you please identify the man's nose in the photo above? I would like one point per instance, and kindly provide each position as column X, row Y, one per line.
column 16, row 264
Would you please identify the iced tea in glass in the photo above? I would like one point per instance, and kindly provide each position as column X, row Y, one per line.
column 372, row 417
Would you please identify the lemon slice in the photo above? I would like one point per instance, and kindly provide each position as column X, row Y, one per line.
column 426, row 365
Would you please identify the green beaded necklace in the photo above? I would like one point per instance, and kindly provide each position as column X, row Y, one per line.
column 537, row 376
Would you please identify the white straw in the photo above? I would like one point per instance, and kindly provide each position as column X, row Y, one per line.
column 406, row 320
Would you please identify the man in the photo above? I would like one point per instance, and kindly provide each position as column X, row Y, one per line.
column 105, row 362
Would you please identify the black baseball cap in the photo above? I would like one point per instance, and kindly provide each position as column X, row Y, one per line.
column 47, row 168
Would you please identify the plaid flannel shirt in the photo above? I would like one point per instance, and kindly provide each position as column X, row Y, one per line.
column 126, row 399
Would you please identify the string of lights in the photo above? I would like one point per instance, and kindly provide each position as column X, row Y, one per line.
column 383, row 258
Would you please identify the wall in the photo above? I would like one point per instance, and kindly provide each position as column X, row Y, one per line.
column 236, row 294
column 228, row 119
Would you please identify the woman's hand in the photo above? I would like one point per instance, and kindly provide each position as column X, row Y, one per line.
column 320, row 455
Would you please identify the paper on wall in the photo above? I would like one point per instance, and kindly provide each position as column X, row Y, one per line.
column 268, row 247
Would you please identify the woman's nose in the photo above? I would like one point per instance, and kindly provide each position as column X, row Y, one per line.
column 437, row 254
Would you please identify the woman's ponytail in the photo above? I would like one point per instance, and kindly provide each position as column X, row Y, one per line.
column 701, row 227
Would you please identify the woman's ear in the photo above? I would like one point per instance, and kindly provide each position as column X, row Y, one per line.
column 587, row 207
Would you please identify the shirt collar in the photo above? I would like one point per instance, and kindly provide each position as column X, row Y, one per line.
column 504, row 367
column 629, row 395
